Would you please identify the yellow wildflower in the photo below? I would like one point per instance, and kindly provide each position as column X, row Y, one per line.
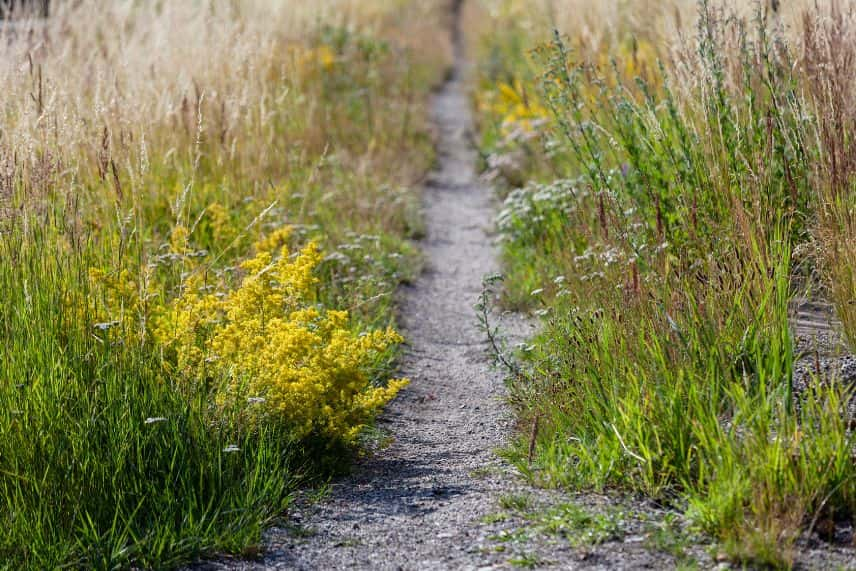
column 178, row 238
column 119, row 300
column 220, row 219
column 516, row 106
column 274, row 240
column 271, row 344
column 326, row 56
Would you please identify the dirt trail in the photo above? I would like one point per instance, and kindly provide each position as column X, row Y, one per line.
column 417, row 503
column 421, row 503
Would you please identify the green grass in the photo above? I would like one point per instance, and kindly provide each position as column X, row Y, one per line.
column 574, row 523
column 668, row 536
column 526, row 561
column 515, row 502
column 495, row 517
column 579, row 526
column 658, row 249
column 111, row 456
column 103, row 463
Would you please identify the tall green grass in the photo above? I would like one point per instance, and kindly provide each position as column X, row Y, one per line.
column 104, row 462
column 127, row 173
column 663, row 267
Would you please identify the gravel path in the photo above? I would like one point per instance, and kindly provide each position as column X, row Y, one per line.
column 438, row 497
column 417, row 504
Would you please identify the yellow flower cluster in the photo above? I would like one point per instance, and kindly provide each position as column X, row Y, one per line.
column 119, row 301
column 514, row 105
column 276, row 350
column 517, row 105
column 218, row 217
column 312, row 60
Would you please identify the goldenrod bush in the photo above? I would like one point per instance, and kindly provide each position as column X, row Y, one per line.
column 270, row 344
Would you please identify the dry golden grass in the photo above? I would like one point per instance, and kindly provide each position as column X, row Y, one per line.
column 599, row 27
column 109, row 92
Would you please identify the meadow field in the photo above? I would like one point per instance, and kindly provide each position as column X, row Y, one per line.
column 678, row 178
column 205, row 209
column 209, row 210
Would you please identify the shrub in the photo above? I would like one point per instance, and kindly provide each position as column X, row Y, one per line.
column 267, row 343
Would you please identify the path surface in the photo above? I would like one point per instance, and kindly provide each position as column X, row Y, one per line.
column 424, row 501
column 417, row 504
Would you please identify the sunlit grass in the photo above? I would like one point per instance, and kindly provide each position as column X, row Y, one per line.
column 205, row 209
column 651, row 220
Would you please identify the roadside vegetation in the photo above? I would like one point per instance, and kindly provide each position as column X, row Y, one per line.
column 205, row 208
column 676, row 175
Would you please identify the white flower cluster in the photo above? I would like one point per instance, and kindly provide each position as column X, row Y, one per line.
column 525, row 209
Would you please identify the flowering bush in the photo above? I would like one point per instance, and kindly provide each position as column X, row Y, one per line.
column 514, row 105
column 272, row 347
